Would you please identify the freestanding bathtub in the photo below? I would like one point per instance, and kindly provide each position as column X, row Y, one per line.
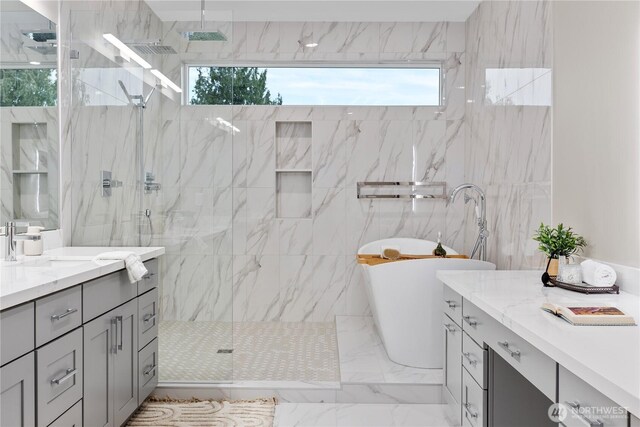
column 406, row 300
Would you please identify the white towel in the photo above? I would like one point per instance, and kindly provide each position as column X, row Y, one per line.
column 597, row 274
column 135, row 268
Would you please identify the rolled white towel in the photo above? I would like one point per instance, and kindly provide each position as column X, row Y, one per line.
column 597, row 274
column 390, row 252
column 135, row 268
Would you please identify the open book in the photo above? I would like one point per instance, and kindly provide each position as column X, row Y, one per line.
column 590, row 316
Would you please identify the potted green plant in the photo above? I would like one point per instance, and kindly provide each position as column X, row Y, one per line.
column 557, row 242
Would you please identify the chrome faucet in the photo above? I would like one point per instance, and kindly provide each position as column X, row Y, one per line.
column 480, row 247
column 12, row 238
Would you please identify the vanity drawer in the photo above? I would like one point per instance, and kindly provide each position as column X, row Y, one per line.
column 473, row 359
column 473, row 401
column 150, row 280
column 525, row 358
column 14, row 344
column 147, row 370
column 105, row 293
column 71, row 418
column 58, row 314
column 452, row 304
column 58, row 376
column 147, row 317
column 476, row 322
column 534, row 365
column 586, row 405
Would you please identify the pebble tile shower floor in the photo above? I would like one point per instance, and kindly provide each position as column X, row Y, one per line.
column 262, row 351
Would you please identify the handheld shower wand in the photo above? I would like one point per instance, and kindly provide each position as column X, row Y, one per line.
column 480, row 246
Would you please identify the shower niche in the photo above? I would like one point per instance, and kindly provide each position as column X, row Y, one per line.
column 31, row 193
column 293, row 169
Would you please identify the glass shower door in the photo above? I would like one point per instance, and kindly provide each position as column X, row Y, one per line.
column 196, row 328
column 173, row 175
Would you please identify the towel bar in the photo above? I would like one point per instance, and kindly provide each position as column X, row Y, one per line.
column 440, row 187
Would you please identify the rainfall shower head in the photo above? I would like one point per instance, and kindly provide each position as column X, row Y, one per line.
column 204, row 36
column 151, row 48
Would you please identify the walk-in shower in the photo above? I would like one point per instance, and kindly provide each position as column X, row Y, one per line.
column 146, row 180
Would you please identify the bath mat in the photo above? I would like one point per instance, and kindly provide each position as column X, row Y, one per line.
column 205, row 413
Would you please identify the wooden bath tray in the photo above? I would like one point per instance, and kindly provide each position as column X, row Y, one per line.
column 371, row 259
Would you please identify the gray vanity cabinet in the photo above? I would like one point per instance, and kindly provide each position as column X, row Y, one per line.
column 452, row 364
column 17, row 393
column 111, row 366
column 98, row 362
column 58, row 376
column 125, row 362
column 86, row 355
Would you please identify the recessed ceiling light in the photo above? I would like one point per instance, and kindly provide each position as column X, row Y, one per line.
column 34, row 63
column 311, row 45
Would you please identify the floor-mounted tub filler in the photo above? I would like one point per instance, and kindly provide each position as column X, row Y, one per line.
column 406, row 299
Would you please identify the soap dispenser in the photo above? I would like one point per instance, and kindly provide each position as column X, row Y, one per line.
column 33, row 247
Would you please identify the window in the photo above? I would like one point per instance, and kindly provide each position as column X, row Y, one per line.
column 313, row 86
column 28, row 87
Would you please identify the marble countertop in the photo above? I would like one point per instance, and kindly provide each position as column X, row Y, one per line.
column 34, row 277
column 607, row 357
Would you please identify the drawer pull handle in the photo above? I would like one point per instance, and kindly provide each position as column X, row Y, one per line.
column 451, row 303
column 471, row 361
column 469, row 321
column 450, row 327
column 71, row 372
column 148, row 276
column 513, row 353
column 468, row 407
column 67, row 312
column 575, row 406
column 148, row 317
column 149, row 370
column 119, row 319
column 114, row 327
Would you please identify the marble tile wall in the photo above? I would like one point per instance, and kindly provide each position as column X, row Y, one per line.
column 99, row 130
column 229, row 254
column 508, row 147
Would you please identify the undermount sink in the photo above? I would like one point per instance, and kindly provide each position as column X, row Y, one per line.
column 50, row 262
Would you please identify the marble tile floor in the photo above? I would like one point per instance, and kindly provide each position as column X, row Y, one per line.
column 363, row 359
column 361, row 415
column 262, row 352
